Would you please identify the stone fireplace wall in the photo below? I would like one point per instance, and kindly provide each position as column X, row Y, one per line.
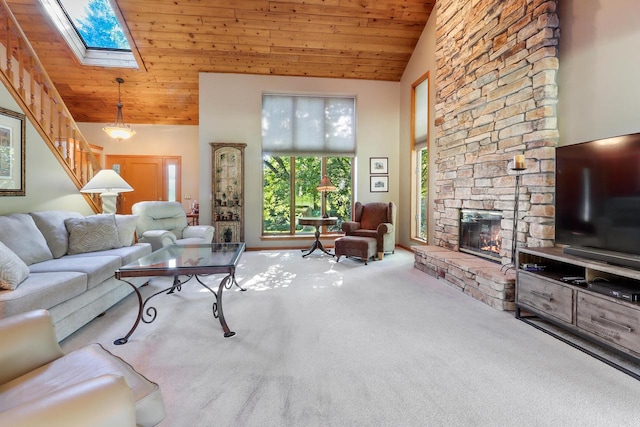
column 496, row 96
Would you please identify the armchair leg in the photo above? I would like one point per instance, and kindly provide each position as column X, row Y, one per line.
column 380, row 255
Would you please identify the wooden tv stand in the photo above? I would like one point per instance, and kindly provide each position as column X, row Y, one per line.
column 610, row 322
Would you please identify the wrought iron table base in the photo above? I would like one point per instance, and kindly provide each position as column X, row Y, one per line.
column 151, row 312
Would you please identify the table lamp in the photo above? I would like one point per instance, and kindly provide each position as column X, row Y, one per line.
column 108, row 183
column 325, row 185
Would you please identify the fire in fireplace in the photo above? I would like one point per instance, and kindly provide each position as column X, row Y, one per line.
column 480, row 233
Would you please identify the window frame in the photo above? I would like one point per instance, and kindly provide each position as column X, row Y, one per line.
column 292, row 233
column 284, row 123
column 416, row 163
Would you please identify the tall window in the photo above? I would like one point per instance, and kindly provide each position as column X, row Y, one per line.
column 420, row 157
column 304, row 138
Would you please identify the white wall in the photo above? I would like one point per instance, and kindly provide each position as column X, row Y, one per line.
column 599, row 75
column 156, row 140
column 47, row 185
column 230, row 111
column 422, row 60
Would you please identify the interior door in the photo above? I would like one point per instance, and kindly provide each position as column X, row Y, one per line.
column 152, row 178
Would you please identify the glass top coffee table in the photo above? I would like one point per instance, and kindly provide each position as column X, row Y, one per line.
column 184, row 260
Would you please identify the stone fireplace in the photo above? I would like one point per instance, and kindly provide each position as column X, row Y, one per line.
column 495, row 96
column 481, row 233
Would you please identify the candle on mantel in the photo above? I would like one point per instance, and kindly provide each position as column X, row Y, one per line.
column 518, row 161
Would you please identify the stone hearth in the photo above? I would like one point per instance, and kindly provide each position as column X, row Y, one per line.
column 479, row 278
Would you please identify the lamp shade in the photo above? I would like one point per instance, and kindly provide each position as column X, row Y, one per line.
column 326, row 185
column 106, row 181
column 119, row 131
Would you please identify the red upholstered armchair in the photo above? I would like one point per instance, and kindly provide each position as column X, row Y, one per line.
column 375, row 220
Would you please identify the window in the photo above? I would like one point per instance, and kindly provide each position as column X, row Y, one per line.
column 420, row 157
column 172, row 172
column 92, row 31
column 303, row 139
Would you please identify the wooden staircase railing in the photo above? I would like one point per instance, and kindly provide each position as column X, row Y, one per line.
column 29, row 84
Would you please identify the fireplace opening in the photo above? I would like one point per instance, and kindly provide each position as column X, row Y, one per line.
column 480, row 233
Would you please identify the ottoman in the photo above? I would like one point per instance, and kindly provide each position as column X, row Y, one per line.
column 355, row 246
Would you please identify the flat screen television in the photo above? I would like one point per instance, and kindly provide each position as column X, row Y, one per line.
column 598, row 199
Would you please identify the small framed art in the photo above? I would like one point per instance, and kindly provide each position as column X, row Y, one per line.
column 378, row 165
column 12, row 153
column 379, row 184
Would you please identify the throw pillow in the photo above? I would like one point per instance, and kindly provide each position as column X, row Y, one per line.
column 13, row 270
column 51, row 224
column 20, row 234
column 126, row 228
column 92, row 233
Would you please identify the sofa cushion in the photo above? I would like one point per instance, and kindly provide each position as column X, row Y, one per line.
column 13, row 270
column 20, row 234
column 126, row 225
column 51, row 224
column 92, row 233
column 86, row 363
column 97, row 268
column 127, row 254
column 42, row 290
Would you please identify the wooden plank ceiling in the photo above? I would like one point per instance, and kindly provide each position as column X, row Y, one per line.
column 177, row 39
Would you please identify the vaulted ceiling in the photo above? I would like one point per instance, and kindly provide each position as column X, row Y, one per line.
column 176, row 39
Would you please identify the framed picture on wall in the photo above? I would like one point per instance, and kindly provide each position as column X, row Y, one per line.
column 12, row 153
column 378, row 165
column 379, row 184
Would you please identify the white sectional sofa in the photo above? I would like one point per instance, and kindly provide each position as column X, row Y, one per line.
column 64, row 262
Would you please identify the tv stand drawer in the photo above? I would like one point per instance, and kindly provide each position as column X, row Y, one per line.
column 616, row 323
column 545, row 296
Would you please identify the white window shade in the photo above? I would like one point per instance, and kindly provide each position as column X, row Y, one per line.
column 308, row 126
column 421, row 114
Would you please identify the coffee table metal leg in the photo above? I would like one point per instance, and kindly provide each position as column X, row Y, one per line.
column 235, row 282
column 227, row 282
column 217, row 307
column 177, row 284
column 124, row 339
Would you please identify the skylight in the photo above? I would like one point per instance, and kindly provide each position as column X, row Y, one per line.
column 96, row 24
column 92, row 31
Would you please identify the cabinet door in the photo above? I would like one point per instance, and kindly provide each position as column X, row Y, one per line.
column 545, row 296
column 611, row 321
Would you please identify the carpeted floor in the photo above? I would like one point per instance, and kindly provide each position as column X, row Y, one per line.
column 321, row 343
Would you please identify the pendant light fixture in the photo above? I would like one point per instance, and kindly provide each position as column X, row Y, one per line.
column 119, row 130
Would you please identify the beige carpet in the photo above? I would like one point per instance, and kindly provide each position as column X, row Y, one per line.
column 321, row 343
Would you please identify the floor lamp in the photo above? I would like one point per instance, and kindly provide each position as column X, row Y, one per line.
column 518, row 167
column 108, row 183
